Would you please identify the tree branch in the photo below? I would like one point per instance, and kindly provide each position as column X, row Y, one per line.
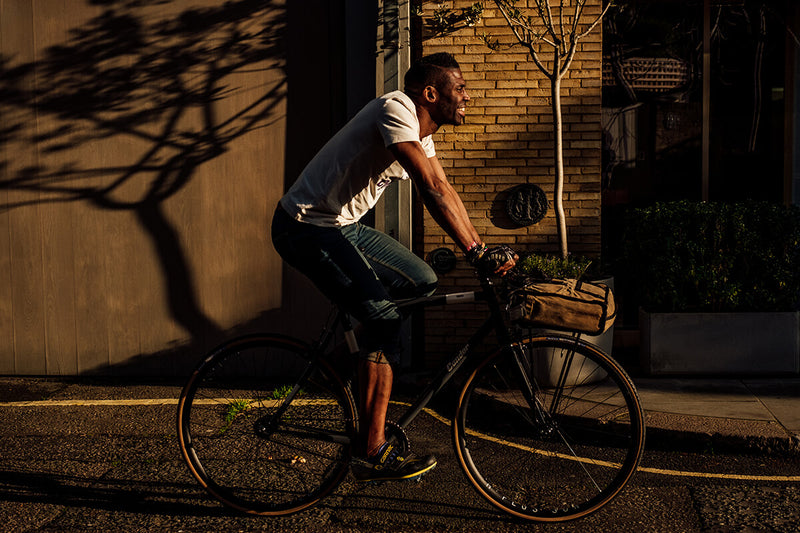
column 548, row 20
column 596, row 21
column 526, row 41
column 568, row 58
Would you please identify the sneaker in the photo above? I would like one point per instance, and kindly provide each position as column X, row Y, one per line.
column 389, row 465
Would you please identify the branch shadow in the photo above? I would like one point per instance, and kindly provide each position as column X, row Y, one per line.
column 131, row 496
column 79, row 498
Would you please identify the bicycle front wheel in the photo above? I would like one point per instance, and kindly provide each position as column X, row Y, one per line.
column 550, row 429
column 263, row 429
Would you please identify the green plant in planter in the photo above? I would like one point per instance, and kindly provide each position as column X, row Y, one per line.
column 714, row 257
column 555, row 266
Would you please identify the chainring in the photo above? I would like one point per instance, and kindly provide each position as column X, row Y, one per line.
column 396, row 434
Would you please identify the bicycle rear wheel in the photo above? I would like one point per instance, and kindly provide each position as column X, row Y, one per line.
column 262, row 430
column 550, row 432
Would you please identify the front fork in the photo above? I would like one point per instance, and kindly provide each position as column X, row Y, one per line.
column 541, row 417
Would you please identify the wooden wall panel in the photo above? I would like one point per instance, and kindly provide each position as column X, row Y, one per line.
column 64, row 259
column 58, row 289
column 24, row 225
column 136, row 193
column 8, row 41
column 127, row 285
column 91, row 318
column 6, row 302
column 26, row 287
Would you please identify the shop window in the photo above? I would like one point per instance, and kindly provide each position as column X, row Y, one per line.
column 694, row 100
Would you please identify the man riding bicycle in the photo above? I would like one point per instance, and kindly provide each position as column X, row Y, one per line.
column 316, row 229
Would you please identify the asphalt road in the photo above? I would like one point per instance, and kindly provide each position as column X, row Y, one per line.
column 118, row 468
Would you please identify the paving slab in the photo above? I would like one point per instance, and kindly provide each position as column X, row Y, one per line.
column 782, row 398
column 715, row 398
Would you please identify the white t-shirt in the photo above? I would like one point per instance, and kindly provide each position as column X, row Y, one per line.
column 346, row 178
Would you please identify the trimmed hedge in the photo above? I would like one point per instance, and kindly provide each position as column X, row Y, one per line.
column 698, row 256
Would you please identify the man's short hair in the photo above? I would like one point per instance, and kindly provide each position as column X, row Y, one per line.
column 429, row 70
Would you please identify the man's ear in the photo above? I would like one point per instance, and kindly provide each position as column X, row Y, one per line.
column 430, row 93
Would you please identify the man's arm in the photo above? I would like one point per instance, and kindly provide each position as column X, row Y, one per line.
column 440, row 198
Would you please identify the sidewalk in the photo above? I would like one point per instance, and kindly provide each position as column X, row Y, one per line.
column 754, row 415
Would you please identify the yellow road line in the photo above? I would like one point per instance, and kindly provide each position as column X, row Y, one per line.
column 658, row 471
column 435, row 415
column 91, row 403
column 151, row 401
column 711, row 475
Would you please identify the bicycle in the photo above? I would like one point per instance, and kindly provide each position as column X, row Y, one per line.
column 546, row 426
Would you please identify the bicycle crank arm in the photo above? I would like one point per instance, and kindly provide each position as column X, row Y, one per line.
column 266, row 429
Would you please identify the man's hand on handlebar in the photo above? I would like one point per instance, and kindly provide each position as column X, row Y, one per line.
column 496, row 260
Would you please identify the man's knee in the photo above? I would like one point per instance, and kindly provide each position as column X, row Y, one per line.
column 378, row 357
column 426, row 280
column 428, row 288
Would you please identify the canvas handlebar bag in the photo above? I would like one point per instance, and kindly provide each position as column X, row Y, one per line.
column 564, row 304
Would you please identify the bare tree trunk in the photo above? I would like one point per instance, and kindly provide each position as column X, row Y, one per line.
column 558, row 194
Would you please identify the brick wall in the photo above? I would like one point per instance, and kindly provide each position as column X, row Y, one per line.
column 508, row 140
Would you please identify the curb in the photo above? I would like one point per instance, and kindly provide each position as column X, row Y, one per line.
column 709, row 435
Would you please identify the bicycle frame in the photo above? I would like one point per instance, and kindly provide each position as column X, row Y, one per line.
column 493, row 322
column 506, row 389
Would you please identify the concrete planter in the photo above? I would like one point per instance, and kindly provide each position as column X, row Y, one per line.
column 720, row 343
column 548, row 367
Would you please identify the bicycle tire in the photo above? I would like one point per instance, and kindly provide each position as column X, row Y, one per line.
column 565, row 460
column 293, row 460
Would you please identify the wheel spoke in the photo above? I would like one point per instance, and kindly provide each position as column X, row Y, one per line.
column 260, row 432
column 555, row 443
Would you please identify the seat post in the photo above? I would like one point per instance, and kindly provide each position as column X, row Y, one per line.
column 349, row 333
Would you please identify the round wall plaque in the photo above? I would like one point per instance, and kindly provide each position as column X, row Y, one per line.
column 526, row 204
column 443, row 260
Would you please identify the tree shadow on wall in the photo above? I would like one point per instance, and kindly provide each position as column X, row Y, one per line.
column 134, row 73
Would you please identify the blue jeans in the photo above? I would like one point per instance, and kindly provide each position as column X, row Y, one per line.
column 361, row 270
